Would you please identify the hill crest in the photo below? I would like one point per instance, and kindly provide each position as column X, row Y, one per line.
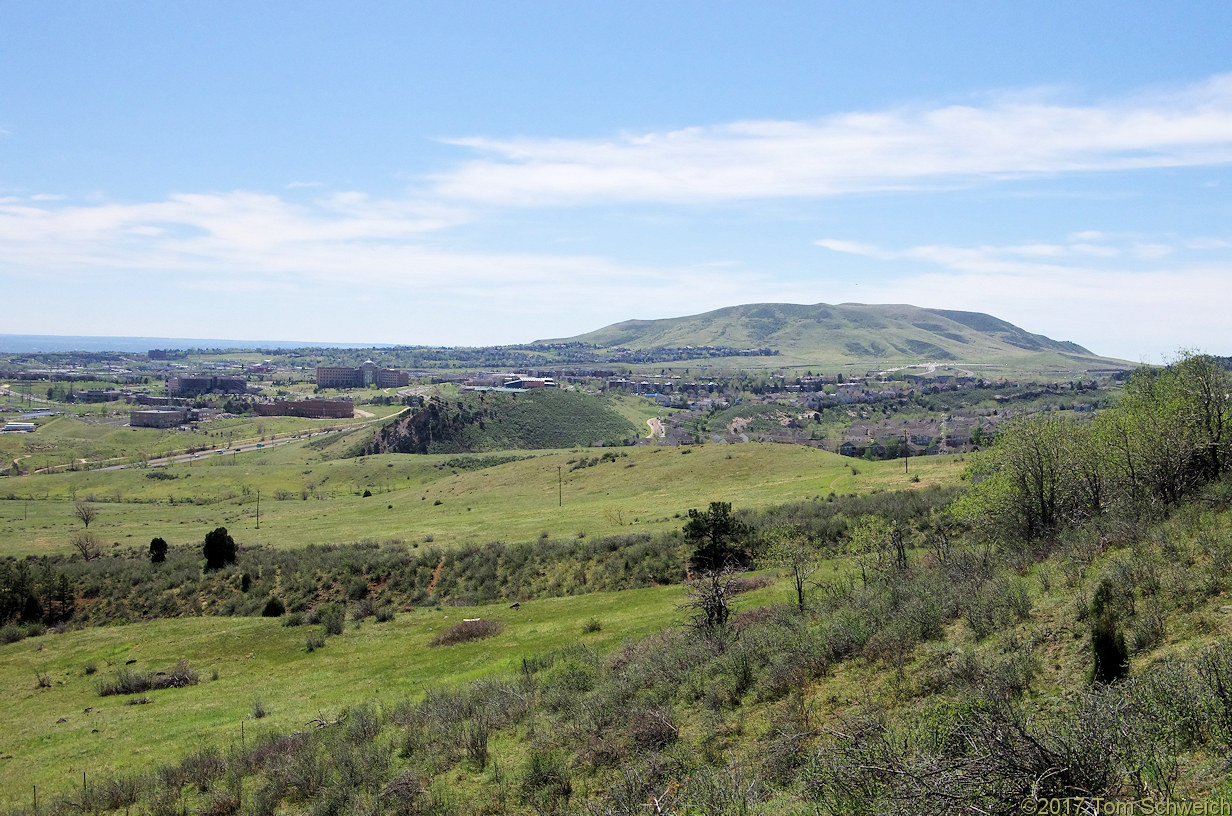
column 846, row 332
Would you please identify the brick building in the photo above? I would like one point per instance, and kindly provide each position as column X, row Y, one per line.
column 368, row 375
column 312, row 408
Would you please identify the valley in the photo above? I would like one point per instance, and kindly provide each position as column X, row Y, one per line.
column 474, row 596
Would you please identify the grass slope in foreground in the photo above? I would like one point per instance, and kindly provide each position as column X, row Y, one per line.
column 259, row 659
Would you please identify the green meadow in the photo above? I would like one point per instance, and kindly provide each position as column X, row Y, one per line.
column 259, row 659
column 307, row 499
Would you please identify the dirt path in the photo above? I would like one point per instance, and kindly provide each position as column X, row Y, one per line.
column 436, row 574
column 656, row 428
column 364, row 414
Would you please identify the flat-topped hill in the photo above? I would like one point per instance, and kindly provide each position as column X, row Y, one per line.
column 848, row 332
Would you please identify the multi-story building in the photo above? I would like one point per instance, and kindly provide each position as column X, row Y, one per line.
column 312, row 408
column 191, row 386
column 158, row 418
column 368, row 375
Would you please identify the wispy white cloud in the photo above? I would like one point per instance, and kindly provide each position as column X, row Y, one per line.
column 1107, row 292
column 210, row 232
column 381, row 266
column 395, row 260
column 1002, row 138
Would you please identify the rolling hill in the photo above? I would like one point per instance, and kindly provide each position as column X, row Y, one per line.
column 849, row 333
column 489, row 421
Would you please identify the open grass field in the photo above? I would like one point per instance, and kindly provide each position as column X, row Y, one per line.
column 257, row 658
column 306, row 499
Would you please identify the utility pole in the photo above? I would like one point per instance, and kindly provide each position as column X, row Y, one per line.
column 906, row 453
column 560, row 488
column 258, row 509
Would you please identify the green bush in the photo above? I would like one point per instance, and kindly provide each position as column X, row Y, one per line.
column 220, row 549
column 546, row 779
column 330, row 615
column 467, row 631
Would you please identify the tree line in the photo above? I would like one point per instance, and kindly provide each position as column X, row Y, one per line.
column 1169, row 436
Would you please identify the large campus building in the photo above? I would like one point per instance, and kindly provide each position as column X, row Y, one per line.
column 313, row 408
column 367, row 375
column 191, row 386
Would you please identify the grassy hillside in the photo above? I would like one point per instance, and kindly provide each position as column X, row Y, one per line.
column 824, row 334
column 259, row 659
column 477, row 421
column 305, row 499
column 966, row 675
column 1061, row 630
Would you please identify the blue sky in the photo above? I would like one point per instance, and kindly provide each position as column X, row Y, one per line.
column 482, row 172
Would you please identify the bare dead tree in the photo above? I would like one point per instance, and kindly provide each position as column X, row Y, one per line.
column 709, row 598
column 86, row 544
column 85, row 512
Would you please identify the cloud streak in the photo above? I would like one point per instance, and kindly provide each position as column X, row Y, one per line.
column 1111, row 288
column 905, row 149
column 379, row 268
column 416, row 257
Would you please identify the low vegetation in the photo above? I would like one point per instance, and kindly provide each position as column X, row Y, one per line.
column 128, row 681
column 1056, row 629
column 468, row 630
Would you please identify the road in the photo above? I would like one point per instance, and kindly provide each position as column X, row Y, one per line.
column 229, row 450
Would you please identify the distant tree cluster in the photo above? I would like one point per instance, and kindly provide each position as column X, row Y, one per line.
column 34, row 595
column 1170, row 434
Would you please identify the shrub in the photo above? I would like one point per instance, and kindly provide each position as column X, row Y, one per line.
column 468, row 630
column 274, row 608
column 748, row 583
column 591, row 626
column 357, row 589
column 546, row 778
column 331, row 616
column 1147, row 631
column 128, row 681
column 364, row 609
column 400, row 797
column 219, row 549
column 476, row 738
column 652, row 730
